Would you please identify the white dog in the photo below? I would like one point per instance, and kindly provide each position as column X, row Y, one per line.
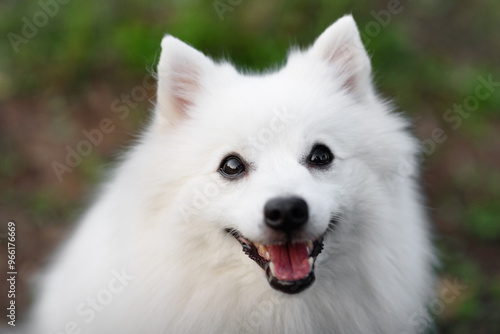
column 301, row 167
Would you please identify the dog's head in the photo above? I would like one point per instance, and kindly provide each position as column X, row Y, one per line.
column 278, row 160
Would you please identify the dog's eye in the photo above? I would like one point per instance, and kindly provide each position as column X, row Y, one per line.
column 231, row 167
column 320, row 156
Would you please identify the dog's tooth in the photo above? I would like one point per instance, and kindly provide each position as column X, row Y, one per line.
column 262, row 251
column 272, row 268
column 311, row 263
column 309, row 247
column 267, row 256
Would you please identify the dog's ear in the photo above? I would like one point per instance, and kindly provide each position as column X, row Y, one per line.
column 183, row 73
column 340, row 45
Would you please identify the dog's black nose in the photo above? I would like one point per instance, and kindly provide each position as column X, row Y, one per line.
column 286, row 213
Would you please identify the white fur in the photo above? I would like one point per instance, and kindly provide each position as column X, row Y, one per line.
column 161, row 218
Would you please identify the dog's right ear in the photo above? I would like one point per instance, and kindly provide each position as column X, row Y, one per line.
column 340, row 45
column 182, row 77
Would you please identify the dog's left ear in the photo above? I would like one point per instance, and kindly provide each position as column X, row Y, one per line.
column 340, row 46
column 183, row 75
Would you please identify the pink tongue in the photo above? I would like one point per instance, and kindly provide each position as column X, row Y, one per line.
column 291, row 261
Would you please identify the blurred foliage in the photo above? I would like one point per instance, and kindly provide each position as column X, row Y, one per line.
column 428, row 57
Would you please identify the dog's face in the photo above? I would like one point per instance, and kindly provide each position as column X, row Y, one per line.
column 278, row 160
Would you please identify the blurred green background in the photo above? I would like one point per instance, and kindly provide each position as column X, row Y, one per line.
column 82, row 57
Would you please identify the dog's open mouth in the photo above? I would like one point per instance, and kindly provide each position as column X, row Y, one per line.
column 289, row 267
